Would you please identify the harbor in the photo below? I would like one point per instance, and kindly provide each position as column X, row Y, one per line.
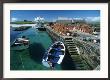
column 80, row 52
column 76, row 56
column 62, row 44
column 31, row 58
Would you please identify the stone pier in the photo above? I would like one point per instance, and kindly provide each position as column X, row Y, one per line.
column 77, row 55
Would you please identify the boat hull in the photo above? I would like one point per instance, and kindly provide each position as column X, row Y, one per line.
column 41, row 29
column 58, row 55
column 20, row 44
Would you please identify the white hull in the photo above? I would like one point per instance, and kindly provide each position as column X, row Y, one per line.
column 61, row 56
column 20, row 44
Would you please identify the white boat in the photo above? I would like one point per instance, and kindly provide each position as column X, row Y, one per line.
column 54, row 55
column 20, row 43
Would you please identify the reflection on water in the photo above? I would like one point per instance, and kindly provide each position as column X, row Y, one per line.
column 36, row 51
column 31, row 58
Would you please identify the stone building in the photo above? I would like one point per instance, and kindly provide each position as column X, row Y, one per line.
column 64, row 29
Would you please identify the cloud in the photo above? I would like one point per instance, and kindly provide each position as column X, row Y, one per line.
column 64, row 18
column 13, row 19
column 92, row 19
column 88, row 19
column 79, row 18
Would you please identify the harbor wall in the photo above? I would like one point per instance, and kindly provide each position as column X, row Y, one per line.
column 89, row 54
column 54, row 35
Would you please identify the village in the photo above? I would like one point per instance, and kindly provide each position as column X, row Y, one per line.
column 81, row 39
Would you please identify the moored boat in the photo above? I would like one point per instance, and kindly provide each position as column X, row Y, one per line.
column 41, row 29
column 20, row 43
column 54, row 55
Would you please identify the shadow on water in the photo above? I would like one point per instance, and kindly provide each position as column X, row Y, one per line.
column 36, row 52
column 67, row 63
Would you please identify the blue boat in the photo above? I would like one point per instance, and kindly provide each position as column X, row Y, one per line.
column 54, row 55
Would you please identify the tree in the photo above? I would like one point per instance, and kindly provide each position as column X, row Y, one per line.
column 25, row 20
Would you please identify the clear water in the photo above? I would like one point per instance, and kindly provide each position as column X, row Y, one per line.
column 31, row 58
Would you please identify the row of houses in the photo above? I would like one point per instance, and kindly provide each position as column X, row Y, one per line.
column 65, row 29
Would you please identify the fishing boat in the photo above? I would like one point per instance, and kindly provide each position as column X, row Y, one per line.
column 54, row 55
column 41, row 28
column 20, row 43
column 40, row 24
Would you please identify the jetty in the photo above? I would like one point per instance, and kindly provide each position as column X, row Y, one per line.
column 84, row 55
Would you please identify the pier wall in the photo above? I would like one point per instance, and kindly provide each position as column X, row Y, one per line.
column 54, row 35
column 89, row 54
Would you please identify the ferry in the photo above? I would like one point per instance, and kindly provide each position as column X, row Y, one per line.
column 54, row 55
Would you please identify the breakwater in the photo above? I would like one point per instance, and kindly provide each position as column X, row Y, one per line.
column 83, row 55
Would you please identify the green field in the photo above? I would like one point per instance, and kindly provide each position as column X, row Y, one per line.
column 23, row 22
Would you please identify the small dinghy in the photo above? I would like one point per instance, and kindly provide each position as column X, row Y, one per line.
column 54, row 55
column 20, row 43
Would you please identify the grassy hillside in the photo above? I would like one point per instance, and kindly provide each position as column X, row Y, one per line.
column 22, row 22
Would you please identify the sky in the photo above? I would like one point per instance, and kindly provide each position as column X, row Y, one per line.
column 51, row 15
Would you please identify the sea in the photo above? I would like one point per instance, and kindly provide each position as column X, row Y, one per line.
column 31, row 58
